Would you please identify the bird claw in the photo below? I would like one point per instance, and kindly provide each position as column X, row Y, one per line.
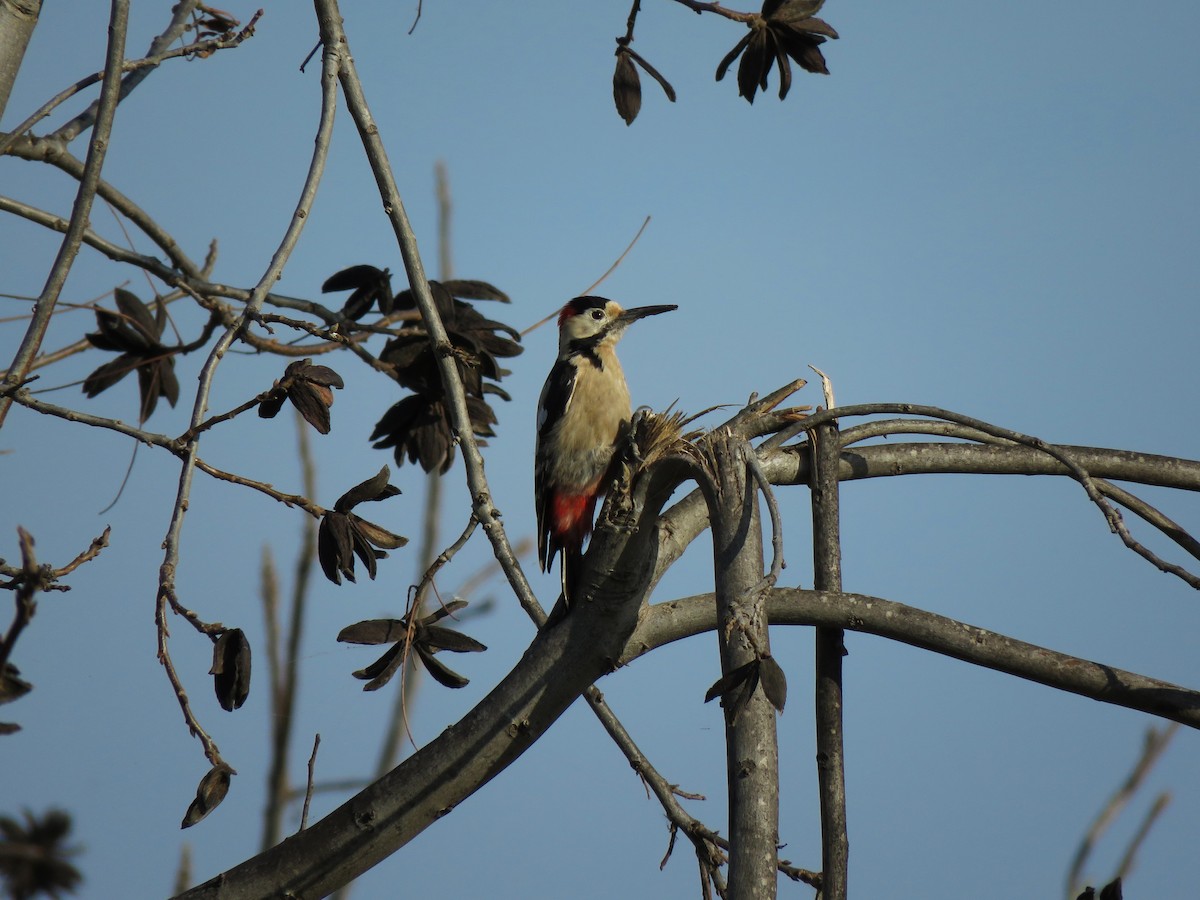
column 619, row 517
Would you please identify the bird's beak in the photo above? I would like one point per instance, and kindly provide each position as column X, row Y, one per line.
column 640, row 312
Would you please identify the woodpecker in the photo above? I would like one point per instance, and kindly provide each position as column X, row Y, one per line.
column 583, row 411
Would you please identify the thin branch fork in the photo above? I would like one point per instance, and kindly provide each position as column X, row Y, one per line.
column 171, row 544
column 84, row 198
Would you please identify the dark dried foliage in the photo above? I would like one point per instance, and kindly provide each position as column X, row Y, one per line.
column 765, row 671
column 369, row 287
column 627, row 85
column 735, row 688
column 34, row 856
column 343, row 535
column 418, row 427
column 209, row 793
column 12, row 685
column 774, row 682
column 310, row 388
column 136, row 333
column 428, row 638
column 787, row 32
column 231, row 669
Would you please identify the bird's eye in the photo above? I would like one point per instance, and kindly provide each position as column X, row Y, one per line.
column 597, row 314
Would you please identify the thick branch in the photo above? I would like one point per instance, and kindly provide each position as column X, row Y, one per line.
column 751, row 745
column 17, row 21
column 678, row 619
column 554, row 671
column 827, row 569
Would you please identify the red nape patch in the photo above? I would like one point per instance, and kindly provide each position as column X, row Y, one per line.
column 578, row 305
column 573, row 516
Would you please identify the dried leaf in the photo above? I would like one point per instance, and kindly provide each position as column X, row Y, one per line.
column 373, row 631
column 731, row 680
column 374, row 488
column 378, row 536
column 381, row 671
column 209, row 793
column 12, row 685
column 627, row 88
column 774, row 682
column 437, row 637
column 471, row 289
column 733, row 54
column 756, row 61
column 442, row 674
column 231, row 669
column 335, row 547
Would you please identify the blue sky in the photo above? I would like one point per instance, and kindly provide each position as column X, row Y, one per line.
column 993, row 215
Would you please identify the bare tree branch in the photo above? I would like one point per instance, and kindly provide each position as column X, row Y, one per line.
column 17, row 22
column 334, row 39
column 1155, row 743
column 671, row 621
column 751, row 745
column 171, row 543
column 89, row 181
column 828, row 702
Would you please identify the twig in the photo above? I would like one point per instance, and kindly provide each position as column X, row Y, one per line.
column 698, row 7
column 398, row 723
column 93, row 550
column 308, row 791
column 410, row 677
column 764, row 485
column 1136, row 505
column 191, row 461
column 1153, row 745
column 286, row 499
column 620, row 259
column 81, row 211
column 1061, row 454
column 29, row 581
column 1135, row 844
column 201, row 49
column 56, row 154
column 334, row 39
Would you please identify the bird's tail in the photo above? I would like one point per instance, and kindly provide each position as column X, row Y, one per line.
column 570, row 566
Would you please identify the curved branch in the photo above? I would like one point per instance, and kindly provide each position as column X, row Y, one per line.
column 558, row 666
column 922, row 458
column 174, row 30
column 89, row 182
column 197, row 49
column 166, row 588
column 663, row 623
column 333, row 36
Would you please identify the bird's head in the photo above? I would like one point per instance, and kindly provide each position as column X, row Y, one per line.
column 596, row 321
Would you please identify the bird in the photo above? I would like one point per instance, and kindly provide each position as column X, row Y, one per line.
column 583, row 411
